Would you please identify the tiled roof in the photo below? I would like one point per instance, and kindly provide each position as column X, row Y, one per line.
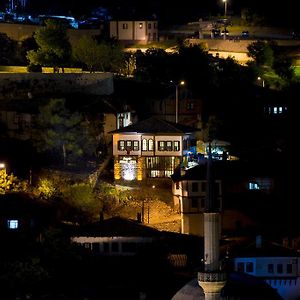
column 116, row 226
column 155, row 125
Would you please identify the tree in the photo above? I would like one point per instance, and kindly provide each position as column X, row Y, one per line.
column 8, row 50
column 54, row 48
column 26, row 45
column 64, row 132
column 96, row 55
column 10, row 183
column 262, row 53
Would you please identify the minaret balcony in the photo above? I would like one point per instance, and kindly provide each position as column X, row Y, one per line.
column 211, row 276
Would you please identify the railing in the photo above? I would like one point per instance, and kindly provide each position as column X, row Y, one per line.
column 211, row 276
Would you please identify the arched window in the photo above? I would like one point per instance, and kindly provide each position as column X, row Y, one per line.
column 144, row 145
column 150, row 145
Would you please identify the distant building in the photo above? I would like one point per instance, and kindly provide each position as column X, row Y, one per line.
column 151, row 148
column 138, row 31
column 278, row 266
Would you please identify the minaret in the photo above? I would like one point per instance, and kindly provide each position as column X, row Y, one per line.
column 211, row 279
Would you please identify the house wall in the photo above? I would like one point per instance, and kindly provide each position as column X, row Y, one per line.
column 111, row 246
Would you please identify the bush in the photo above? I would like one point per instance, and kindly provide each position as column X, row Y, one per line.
column 34, row 68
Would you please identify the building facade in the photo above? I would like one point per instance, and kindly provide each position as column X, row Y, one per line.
column 152, row 148
column 143, row 31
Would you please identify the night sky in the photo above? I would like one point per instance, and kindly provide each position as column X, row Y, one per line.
column 279, row 12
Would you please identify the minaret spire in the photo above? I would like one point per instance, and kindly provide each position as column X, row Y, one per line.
column 212, row 279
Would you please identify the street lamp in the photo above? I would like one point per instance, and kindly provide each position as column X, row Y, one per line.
column 176, row 98
column 262, row 81
column 225, row 8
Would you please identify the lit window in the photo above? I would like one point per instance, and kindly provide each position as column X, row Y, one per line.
column 275, row 110
column 135, row 145
column 176, row 146
column 150, row 145
column 280, row 109
column 13, row 224
column 128, row 144
column 121, row 145
column 161, row 146
column 144, row 145
column 253, row 186
column 169, row 146
column 141, row 25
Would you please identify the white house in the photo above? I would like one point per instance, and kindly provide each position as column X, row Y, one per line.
column 276, row 265
column 137, row 31
column 151, row 148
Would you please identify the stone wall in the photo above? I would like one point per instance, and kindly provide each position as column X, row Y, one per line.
column 14, row 85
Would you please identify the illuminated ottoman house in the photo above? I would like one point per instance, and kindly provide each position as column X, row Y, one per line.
column 151, row 148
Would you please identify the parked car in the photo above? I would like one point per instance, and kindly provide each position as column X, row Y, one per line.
column 225, row 32
column 245, row 34
column 215, row 32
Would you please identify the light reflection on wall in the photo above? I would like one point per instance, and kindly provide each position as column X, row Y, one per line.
column 128, row 168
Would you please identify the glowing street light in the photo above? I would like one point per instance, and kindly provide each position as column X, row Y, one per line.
column 225, row 8
column 176, row 98
column 262, row 81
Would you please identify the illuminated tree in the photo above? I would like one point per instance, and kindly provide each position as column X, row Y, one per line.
column 54, row 48
column 10, row 183
column 99, row 56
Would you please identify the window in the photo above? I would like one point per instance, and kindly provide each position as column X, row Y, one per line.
column 161, row 146
column 279, row 268
column 194, row 186
column 270, row 268
column 194, row 203
column 141, row 25
column 96, row 247
column 253, row 186
column 169, row 146
column 150, row 145
column 135, row 145
column 176, row 146
column 203, row 187
column 121, row 145
column 128, row 144
column 289, row 268
column 240, row 267
column 130, row 247
column 125, row 26
column 115, row 247
column 13, row 224
column 105, row 247
column 149, row 25
column 177, row 185
column 144, row 145
column 190, row 106
column 154, row 25
column 249, row 267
